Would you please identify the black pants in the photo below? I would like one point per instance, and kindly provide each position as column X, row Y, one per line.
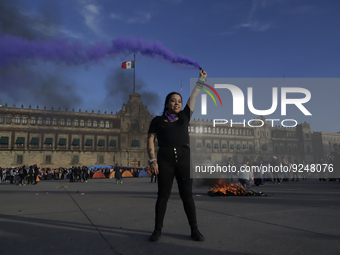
column 174, row 162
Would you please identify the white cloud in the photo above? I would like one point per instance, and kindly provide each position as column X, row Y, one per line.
column 139, row 17
column 70, row 34
column 54, row 30
column 115, row 16
column 91, row 12
column 254, row 23
column 91, row 8
column 255, row 26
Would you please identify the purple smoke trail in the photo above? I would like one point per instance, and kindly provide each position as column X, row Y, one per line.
column 15, row 49
column 156, row 49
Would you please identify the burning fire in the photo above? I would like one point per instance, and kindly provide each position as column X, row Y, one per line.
column 228, row 189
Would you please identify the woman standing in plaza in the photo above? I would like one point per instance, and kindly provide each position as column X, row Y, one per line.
column 173, row 157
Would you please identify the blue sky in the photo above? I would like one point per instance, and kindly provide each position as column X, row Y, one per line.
column 228, row 38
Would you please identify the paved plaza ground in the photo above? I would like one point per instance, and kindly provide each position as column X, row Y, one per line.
column 101, row 217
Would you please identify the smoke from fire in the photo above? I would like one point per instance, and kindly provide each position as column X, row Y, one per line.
column 119, row 85
column 23, row 83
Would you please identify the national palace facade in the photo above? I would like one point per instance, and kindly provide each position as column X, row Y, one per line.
column 62, row 138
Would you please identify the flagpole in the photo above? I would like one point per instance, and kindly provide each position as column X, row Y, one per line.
column 134, row 74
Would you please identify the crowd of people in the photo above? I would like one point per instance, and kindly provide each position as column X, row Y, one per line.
column 31, row 175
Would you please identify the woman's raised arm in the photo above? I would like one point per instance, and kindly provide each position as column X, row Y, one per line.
column 199, row 84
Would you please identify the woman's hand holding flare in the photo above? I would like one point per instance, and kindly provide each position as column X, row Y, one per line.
column 203, row 73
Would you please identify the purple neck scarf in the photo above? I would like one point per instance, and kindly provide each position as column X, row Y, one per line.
column 170, row 117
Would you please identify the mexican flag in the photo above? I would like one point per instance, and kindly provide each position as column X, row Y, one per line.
column 128, row 65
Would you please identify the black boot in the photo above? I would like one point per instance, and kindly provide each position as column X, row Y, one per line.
column 196, row 235
column 156, row 234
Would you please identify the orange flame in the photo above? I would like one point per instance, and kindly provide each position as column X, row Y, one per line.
column 228, row 188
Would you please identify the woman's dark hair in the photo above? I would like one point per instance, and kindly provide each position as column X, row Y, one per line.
column 167, row 99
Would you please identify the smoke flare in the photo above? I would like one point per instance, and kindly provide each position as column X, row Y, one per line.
column 15, row 49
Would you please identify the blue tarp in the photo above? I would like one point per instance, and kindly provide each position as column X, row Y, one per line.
column 99, row 167
column 143, row 173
